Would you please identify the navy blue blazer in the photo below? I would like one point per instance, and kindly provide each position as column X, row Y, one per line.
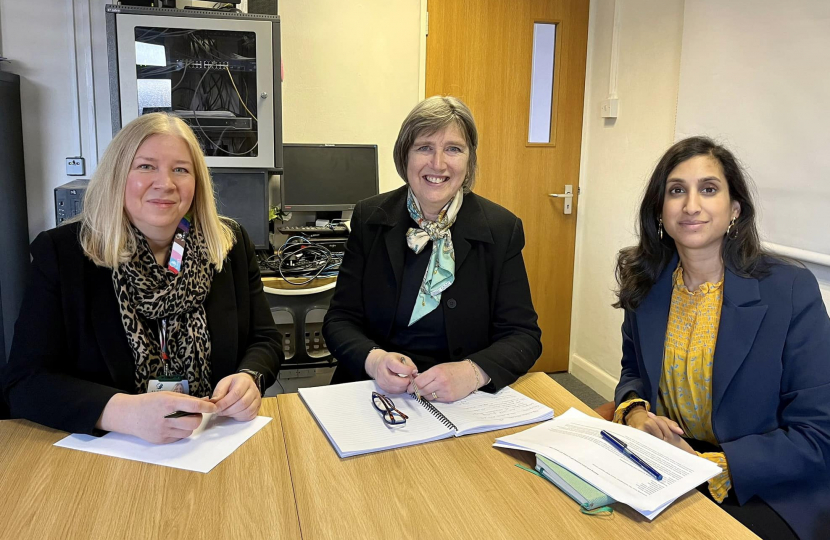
column 770, row 386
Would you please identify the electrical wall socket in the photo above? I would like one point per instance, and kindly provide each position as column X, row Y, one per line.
column 609, row 108
column 75, row 166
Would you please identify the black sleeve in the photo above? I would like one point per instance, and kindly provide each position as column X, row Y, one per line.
column 515, row 336
column 344, row 321
column 263, row 352
column 38, row 382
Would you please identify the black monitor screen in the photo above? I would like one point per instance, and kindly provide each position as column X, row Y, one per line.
column 321, row 177
column 243, row 196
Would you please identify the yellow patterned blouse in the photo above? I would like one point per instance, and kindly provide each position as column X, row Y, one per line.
column 685, row 390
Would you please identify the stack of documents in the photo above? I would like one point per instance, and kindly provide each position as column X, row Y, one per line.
column 573, row 441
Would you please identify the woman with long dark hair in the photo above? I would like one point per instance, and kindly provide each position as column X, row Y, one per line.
column 726, row 349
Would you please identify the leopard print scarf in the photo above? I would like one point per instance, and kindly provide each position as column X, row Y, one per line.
column 147, row 292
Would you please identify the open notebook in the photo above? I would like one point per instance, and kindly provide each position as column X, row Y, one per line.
column 353, row 425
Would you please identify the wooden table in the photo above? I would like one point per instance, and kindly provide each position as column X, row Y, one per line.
column 51, row 492
column 463, row 488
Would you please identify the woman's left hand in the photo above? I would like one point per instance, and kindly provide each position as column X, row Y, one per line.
column 450, row 381
column 237, row 396
column 671, row 432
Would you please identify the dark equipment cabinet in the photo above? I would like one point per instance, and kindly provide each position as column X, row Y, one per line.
column 14, row 227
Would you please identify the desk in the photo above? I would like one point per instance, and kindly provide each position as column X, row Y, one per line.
column 54, row 492
column 463, row 488
column 278, row 286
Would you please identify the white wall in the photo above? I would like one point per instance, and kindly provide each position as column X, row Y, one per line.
column 37, row 36
column 351, row 73
column 753, row 74
column 617, row 157
column 748, row 78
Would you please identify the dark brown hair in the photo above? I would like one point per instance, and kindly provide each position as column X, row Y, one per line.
column 639, row 267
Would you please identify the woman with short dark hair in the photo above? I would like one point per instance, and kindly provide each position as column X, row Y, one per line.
column 433, row 290
column 726, row 349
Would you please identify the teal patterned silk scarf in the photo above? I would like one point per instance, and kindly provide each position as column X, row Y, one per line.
column 440, row 272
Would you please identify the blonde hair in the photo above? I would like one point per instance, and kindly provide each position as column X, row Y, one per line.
column 428, row 117
column 106, row 235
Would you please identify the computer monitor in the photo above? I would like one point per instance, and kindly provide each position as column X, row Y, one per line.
column 328, row 177
column 243, row 196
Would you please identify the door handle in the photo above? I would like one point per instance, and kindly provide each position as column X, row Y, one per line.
column 568, row 196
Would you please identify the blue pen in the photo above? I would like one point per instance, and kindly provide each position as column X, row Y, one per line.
column 622, row 447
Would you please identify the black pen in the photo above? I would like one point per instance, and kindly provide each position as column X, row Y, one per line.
column 179, row 414
column 622, row 447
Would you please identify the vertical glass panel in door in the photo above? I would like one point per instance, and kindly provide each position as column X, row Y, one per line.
column 205, row 77
column 541, row 84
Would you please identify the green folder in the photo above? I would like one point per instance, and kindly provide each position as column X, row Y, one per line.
column 586, row 495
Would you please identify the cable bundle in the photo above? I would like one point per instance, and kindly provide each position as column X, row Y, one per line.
column 300, row 258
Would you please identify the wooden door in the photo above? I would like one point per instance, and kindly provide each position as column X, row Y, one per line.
column 481, row 52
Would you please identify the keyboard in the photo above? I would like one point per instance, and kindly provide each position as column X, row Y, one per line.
column 314, row 230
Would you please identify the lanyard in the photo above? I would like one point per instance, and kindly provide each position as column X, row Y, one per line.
column 163, row 344
column 177, row 249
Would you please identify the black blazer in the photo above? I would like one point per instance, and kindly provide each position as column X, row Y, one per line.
column 770, row 386
column 70, row 353
column 488, row 312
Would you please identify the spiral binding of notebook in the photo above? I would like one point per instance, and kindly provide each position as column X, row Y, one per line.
column 435, row 412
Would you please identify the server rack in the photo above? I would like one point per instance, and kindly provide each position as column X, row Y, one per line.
column 219, row 71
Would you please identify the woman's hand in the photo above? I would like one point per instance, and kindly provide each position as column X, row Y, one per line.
column 238, row 397
column 143, row 415
column 450, row 381
column 659, row 426
column 387, row 369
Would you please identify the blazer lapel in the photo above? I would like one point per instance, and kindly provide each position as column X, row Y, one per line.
column 108, row 328
column 470, row 224
column 395, row 246
column 393, row 217
column 652, row 321
column 739, row 323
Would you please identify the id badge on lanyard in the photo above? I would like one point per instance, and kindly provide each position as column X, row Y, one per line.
column 170, row 382
column 177, row 250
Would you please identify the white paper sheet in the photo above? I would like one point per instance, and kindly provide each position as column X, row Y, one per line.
column 573, row 440
column 480, row 411
column 215, row 440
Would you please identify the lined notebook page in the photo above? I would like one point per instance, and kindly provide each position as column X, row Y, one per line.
column 481, row 411
column 353, row 425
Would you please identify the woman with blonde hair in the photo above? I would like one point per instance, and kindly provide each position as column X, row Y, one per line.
column 148, row 292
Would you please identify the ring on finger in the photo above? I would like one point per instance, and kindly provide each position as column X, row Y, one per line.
column 434, row 395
